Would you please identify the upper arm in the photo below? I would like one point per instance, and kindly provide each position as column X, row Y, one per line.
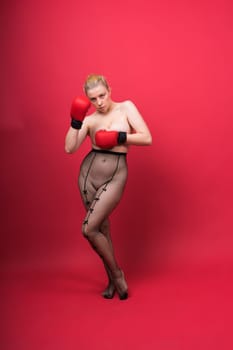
column 135, row 118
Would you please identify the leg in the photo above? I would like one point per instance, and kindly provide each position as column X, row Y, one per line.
column 106, row 199
column 101, row 182
column 109, row 292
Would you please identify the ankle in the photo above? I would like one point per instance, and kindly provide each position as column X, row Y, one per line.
column 117, row 274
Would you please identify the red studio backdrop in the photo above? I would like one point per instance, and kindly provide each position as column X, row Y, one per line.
column 173, row 59
column 172, row 230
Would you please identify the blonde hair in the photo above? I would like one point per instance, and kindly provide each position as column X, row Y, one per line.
column 93, row 80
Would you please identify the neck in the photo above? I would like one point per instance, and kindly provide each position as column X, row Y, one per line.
column 110, row 108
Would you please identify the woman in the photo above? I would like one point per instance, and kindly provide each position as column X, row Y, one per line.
column 112, row 128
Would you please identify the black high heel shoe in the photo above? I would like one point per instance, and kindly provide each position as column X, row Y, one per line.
column 109, row 292
column 121, row 286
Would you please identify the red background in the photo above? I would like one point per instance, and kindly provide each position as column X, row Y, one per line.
column 173, row 59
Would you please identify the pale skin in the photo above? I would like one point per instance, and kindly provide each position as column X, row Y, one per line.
column 109, row 115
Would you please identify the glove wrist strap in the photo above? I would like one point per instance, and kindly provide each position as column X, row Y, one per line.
column 76, row 124
column 122, row 137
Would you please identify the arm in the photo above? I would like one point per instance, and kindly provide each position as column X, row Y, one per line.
column 74, row 138
column 141, row 135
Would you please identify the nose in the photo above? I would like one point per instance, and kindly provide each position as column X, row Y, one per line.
column 99, row 102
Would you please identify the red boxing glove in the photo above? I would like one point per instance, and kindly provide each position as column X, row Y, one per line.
column 78, row 111
column 109, row 139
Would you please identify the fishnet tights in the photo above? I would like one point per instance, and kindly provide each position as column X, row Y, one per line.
column 101, row 182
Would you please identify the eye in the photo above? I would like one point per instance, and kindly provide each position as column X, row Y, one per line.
column 93, row 99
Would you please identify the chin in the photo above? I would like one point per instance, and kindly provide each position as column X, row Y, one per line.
column 103, row 111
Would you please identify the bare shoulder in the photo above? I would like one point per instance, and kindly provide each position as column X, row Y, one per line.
column 131, row 110
column 128, row 104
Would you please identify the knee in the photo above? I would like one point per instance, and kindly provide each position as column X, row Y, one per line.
column 104, row 227
column 87, row 231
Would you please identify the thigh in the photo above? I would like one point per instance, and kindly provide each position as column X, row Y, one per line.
column 104, row 202
column 101, row 171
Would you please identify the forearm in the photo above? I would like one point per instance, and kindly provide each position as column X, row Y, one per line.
column 72, row 140
column 139, row 139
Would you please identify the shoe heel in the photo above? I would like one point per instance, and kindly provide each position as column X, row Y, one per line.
column 121, row 287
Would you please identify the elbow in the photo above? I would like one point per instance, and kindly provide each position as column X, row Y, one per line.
column 68, row 150
column 149, row 141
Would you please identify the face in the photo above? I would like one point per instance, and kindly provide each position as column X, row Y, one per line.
column 100, row 97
